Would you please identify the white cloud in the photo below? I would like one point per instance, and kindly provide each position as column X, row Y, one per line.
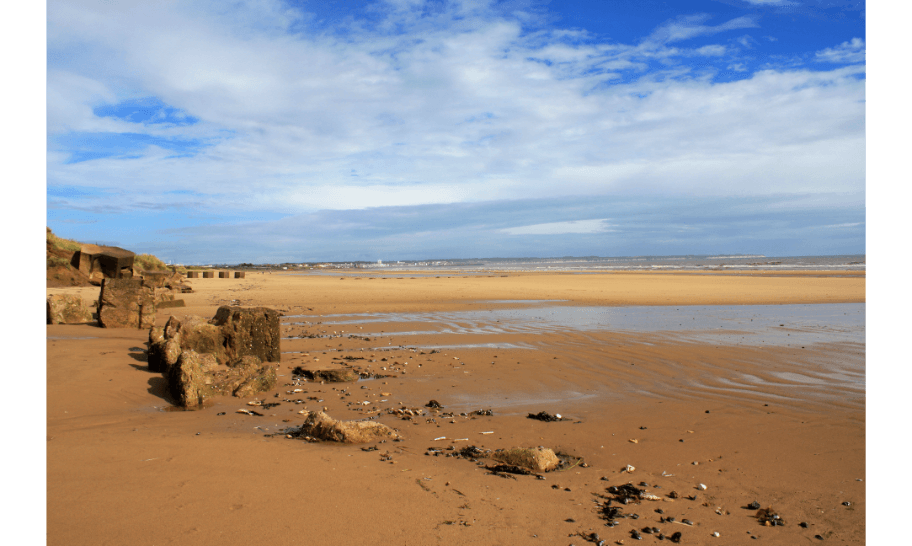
column 691, row 26
column 846, row 52
column 560, row 228
column 455, row 106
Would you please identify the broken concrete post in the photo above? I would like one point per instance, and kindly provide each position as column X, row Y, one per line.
column 187, row 382
column 163, row 350
column 195, row 334
column 249, row 331
column 67, row 309
column 126, row 303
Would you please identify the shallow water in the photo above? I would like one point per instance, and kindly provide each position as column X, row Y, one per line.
column 786, row 325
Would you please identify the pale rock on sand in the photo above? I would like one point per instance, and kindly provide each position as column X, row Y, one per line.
column 538, row 459
column 321, row 426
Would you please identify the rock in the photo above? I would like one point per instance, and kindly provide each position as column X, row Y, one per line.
column 249, row 331
column 330, row 376
column 195, row 334
column 156, row 334
column 538, row 459
column 322, row 426
column 67, row 309
column 205, row 346
column 187, row 381
column 126, row 303
column 163, row 355
column 262, row 380
column 247, row 362
column 545, row 416
column 208, row 362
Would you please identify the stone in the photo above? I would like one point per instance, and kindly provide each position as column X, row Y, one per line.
column 262, row 380
column 156, row 333
column 162, row 355
column 67, row 309
column 239, row 274
column 208, row 362
column 196, row 334
column 170, row 304
column 187, row 382
column 249, row 331
column 537, row 459
column 126, row 303
column 330, row 376
column 321, row 426
column 249, row 362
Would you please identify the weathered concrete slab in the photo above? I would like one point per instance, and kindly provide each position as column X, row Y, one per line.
column 67, row 309
column 249, row 331
column 126, row 303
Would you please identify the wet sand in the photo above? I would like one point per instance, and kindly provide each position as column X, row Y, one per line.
column 774, row 422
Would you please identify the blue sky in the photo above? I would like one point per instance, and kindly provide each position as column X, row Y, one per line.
column 273, row 130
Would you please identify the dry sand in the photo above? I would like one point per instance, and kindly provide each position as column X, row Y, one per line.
column 120, row 470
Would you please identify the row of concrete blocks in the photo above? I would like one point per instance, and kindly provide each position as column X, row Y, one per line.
column 211, row 274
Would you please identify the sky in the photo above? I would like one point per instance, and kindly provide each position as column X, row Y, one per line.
column 271, row 131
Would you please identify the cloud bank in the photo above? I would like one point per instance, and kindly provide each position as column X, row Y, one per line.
column 210, row 113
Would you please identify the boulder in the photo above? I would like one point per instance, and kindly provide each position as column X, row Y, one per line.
column 188, row 384
column 67, row 309
column 323, row 427
column 537, row 459
column 126, row 303
column 330, row 376
column 249, row 331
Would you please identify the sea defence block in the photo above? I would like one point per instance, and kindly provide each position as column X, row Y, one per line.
column 193, row 274
column 238, row 274
column 208, row 274
column 249, row 331
column 126, row 303
column 224, row 274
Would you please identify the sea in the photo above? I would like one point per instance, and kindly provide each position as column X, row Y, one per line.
column 850, row 263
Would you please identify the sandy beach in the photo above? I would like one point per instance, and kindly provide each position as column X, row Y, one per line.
column 760, row 398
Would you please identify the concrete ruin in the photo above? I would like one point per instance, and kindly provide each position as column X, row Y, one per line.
column 104, row 262
column 231, row 354
column 67, row 309
column 126, row 303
